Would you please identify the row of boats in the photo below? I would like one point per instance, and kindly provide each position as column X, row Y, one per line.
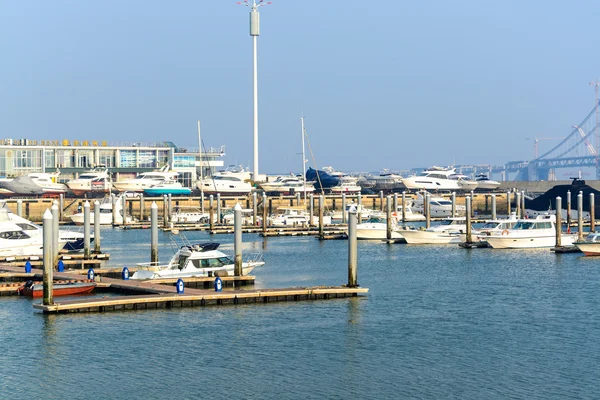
column 236, row 180
column 508, row 233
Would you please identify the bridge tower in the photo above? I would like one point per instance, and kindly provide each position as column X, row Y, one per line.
column 596, row 85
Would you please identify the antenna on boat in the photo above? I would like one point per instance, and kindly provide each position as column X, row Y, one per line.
column 201, row 167
column 303, row 159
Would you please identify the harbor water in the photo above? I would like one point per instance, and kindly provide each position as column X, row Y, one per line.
column 438, row 322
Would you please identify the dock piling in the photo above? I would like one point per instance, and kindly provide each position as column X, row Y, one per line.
column 311, row 213
column 55, row 232
column 580, row 215
column 154, row 233
column 265, row 215
column 352, row 248
column 142, row 206
column 453, row 204
column 211, row 212
column 343, row 208
column 395, row 204
column 113, row 201
column 518, row 204
column 468, row 207
column 321, row 207
column 472, row 203
column 508, row 203
column 494, row 206
column 558, row 221
column 592, row 213
column 389, row 217
column 219, row 216
column 522, row 204
column 427, row 209
column 569, row 208
column 165, row 211
column 61, row 206
column 48, row 255
column 359, row 208
column 237, row 243
column 20, row 207
column 403, row 206
column 97, row 227
column 254, row 209
column 124, row 208
column 86, row 229
column 380, row 200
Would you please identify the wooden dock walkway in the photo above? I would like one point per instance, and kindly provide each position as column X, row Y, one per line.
column 162, row 294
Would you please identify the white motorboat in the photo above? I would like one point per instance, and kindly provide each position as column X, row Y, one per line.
column 49, row 183
column 167, row 187
column 386, row 181
column 183, row 215
column 492, row 227
column 145, row 180
column 409, row 214
column 529, row 234
column 290, row 216
column 233, row 181
column 14, row 241
column 346, row 183
column 485, row 183
column 200, row 259
column 434, row 178
column 438, row 206
column 465, row 183
column 105, row 212
column 446, row 232
column 590, row 246
column 73, row 240
column 365, row 213
column 287, row 185
column 96, row 180
column 375, row 228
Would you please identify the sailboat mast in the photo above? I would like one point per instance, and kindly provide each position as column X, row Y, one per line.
column 201, row 170
column 303, row 160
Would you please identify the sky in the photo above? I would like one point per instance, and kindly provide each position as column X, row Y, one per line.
column 382, row 84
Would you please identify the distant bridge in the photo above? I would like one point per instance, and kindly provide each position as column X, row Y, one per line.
column 575, row 150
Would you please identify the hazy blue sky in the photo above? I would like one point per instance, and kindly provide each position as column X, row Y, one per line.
column 383, row 84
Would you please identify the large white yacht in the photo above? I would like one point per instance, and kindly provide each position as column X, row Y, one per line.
column 438, row 206
column 446, row 232
column 289, row 184
column 375, row 228
column 530, row 233
column 464, row 182
column 96, row 180
column 434, row 178
column 145, row 180
column 485, row 183
column 49, row 183
column 14, row 241
column 233, row 181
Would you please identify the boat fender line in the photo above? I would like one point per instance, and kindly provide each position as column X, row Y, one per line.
column 505, row 232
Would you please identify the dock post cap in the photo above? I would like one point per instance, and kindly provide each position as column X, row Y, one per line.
column 237, row 207
column 154, row 205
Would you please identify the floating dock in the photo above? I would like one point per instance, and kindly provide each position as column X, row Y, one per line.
column 162, row 294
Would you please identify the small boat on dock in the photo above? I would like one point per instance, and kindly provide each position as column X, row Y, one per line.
column 590, row 246
column 36, row 290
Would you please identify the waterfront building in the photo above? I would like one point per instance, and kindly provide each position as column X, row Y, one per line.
column 125, row 160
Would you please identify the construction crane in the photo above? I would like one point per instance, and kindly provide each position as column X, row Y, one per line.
column 589, row 146
column 536, row 141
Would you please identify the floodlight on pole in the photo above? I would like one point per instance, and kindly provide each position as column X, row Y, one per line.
column 254, row 32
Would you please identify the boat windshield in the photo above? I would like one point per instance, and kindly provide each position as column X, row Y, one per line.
column 88, row 176
column 524, row 225
column 13, row 235
column 593, row 237
column 226, row 178
column 213, row 262
column 490, row 225
column 377, row 220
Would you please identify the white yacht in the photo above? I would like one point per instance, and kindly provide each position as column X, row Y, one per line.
column 49, row 183
column 409, row 214
column 347, row 184
column 200, row 259
column 446, row 232
column 14, row 241
column 434, row 178
column 485, row 183
column 287, row 185
column 375, row 228
column 530, row 233
column 464, row 182
column 96, row 180
column 105, row 213
column 492, row 227
column 290, row 216
column 233, row 181
column 438, row 206
column 145, row 180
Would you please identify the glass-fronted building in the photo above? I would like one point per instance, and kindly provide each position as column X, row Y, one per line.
column 71, row 158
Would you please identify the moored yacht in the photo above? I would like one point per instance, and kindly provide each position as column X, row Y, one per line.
column 434, row 178
column 485, row 183
column 160, row 188
column 197, row 259
column 233, row 181
column 145, row 180
column 465, row 183
column 96, row 180
column 287, row 185
column 530, row 233
column 375, row 228
column 438, row 206
column 14, row 241
column 446, row 232
column 105, row 208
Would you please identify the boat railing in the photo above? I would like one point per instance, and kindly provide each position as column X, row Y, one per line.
column 253, row 257
column 151, row 266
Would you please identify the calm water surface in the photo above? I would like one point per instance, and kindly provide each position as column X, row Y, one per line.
column 438, row 322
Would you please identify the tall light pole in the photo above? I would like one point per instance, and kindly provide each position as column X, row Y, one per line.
column 254, row 32
column 596, row 85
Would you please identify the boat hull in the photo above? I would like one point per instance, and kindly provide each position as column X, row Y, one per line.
column 528, row 242
column 165, row 191
column 426, row 237
column 61, row 289
column 375, row 232
column 589, row 249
